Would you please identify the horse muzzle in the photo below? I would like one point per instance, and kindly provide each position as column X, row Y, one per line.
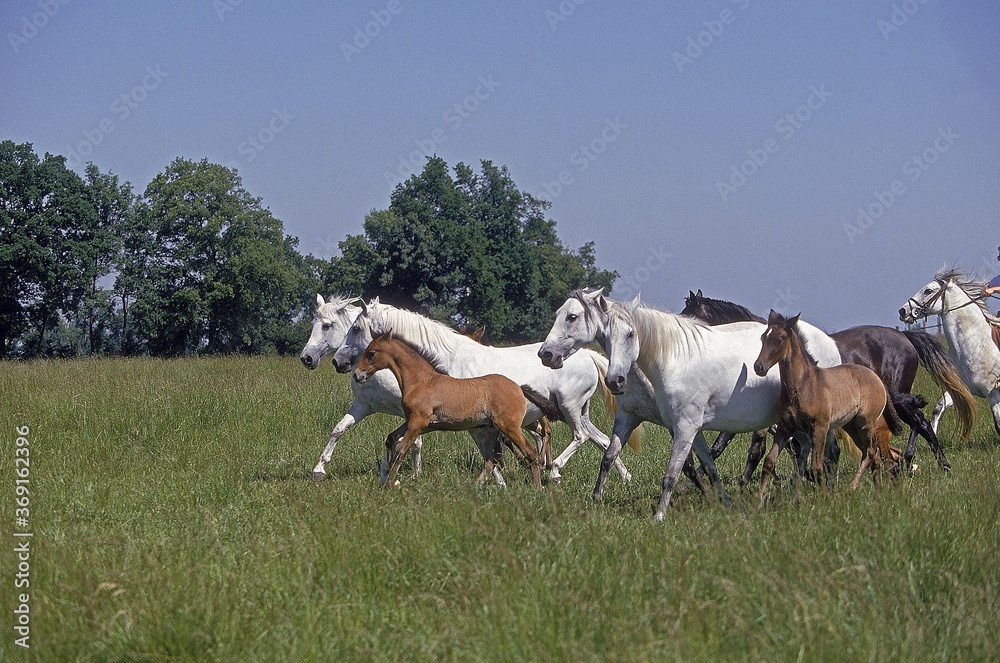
column 550, row 359
column 760, row 369
column 359, row 376
column 616, row 384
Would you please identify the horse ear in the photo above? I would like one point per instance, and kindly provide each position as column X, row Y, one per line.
column 691, row 294
column 634, row 304
column 699, row 293
column 593, row 295
column 388, row 334
column 319, row 300
column 774, row 318
column 791, row 322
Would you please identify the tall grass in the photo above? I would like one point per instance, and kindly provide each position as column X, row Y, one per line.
column 174, row 520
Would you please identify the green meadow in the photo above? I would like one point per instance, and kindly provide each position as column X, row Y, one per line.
column 173, row 520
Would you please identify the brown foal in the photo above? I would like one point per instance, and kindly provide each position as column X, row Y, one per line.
column 435, row 401
column 813, row 400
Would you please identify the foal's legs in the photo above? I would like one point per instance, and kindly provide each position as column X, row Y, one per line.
column 683, row 441
column 511, row 429
column 414, row 427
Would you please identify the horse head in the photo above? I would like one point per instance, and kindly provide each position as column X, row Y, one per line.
column 578, row 321
column 329, row 326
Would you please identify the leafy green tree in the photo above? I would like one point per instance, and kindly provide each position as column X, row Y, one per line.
column 470, row 248
column 217, row 272
column 48, row 256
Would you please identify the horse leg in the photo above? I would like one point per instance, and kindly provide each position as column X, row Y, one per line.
column 708, row 465
column 413, row 430
column 920, row 426
column 489, row 454
column 683, row 441
column 720, row 444
column 781, row 438
column 601, row 440
column 831, row 459
column 487, row 441
column 995, row 408
column 818, row 438
column 758, row 445
column 511, row 430
column 625, row 423
column 354, row 414
column 939, row 409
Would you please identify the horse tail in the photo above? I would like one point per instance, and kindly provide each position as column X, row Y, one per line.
column 635, row 439
column 547, row 406
column 847, row 444
column 937, row 362
column 890, row 415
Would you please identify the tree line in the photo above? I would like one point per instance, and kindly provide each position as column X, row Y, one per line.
column 196, row 264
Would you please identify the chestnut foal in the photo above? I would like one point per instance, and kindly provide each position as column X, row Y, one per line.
column 435, row 401
column 814, row 400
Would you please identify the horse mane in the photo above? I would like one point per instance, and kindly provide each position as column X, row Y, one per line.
column 721, row 311
column 661, row 333
column 432, row 340
column 335, row 304
column 804, row 345
column 974, row 289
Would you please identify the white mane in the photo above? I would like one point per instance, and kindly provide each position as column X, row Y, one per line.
column 335, row 306
column 974, row 290
column 662, row 334
column 435, row 341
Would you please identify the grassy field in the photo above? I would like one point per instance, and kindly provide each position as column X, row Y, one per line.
column 173, row 521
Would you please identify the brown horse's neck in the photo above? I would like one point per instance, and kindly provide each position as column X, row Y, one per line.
column 407, row 365
column 795, row 368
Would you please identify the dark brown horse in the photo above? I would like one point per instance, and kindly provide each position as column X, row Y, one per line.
column 894, row 356
column 815, row 400
column 435, row 401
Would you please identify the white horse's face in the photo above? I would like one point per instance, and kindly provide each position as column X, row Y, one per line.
column 927, row 301
column 330, row 324
column 578, row 322
column 622, row 346
column 357, row 339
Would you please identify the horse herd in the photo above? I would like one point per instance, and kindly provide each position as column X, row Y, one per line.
column 715, row 366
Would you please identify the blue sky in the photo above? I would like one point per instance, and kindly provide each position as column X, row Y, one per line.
column 817, row 157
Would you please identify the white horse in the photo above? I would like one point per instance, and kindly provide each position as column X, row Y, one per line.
column 700, row 375
column 460, row 356
column 380, row 393
column 966, row 322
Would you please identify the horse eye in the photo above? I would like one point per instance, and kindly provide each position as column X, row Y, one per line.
column 356, row 328
column 630, row 334
column 571, row 317
column 326, row 326
column 370, row 354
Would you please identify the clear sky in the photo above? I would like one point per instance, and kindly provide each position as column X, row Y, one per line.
column 822, row 157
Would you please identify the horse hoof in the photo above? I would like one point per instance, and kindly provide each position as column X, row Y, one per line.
column 318, row 476
column 914, row 470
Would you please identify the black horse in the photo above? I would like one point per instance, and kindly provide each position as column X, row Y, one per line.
column 892, row 354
